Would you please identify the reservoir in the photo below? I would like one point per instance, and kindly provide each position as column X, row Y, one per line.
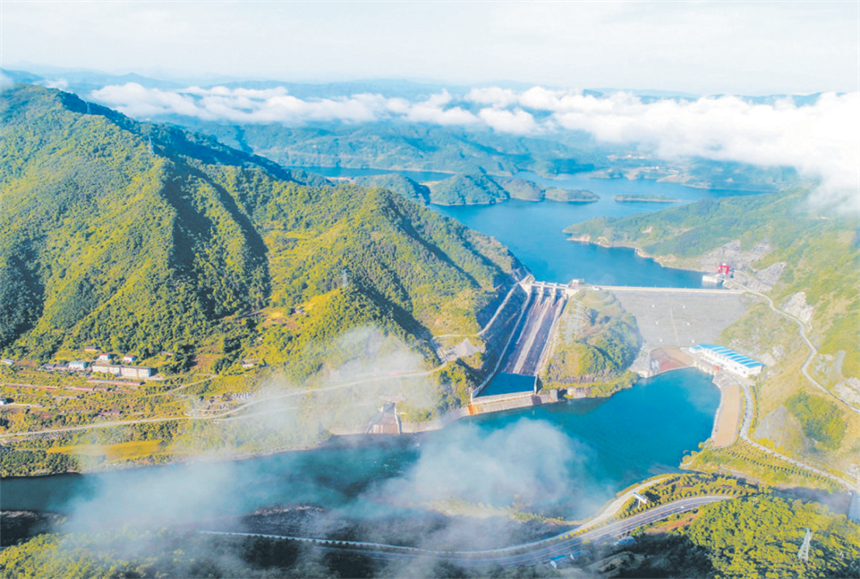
column 533, row 231
column 564, row 460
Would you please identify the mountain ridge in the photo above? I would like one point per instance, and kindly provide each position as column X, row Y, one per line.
column 140, row 237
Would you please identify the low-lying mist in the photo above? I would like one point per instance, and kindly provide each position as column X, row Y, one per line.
column 465, row 488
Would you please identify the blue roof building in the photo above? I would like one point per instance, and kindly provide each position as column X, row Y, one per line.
column 725, row 359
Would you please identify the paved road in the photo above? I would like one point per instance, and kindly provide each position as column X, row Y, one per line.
column 749, row 410
column 516, row 555
column 290, row 394
column 616, row 505
column 748, row 416
column 813, row 351
column 663, row 290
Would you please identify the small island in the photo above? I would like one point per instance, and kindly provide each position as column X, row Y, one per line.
column 643, row 198
column 571, row 195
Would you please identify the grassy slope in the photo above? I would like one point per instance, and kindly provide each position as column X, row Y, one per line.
column 822, row 255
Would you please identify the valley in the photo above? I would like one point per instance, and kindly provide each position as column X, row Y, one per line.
column 280, row 311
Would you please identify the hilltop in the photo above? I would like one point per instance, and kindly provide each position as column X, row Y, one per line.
column 142, row 238
column 482, row 189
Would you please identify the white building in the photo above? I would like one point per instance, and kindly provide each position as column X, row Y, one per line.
column 125, row 371
column 725, row 359
column 105, row 368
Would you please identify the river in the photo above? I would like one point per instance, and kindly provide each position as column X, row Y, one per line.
column 587, row 449
column 566, row 459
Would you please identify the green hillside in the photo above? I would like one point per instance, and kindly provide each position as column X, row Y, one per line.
column 404, row 146
column 397, row 183
column 141, row 238
column 817, row 259
column 596, row 343
column 571, row 195
column 481, row 189
column 467, row 190
column 822, row 252
column 521, row 189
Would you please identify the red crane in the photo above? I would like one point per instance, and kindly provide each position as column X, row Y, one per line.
column 724, row 269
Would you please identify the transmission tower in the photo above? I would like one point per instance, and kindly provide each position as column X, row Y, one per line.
column 803, row 554
column 344, row 278
column 151, row 151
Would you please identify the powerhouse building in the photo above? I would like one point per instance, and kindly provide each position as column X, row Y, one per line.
column 725, row 359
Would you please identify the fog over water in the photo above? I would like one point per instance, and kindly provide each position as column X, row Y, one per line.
column 563, row 460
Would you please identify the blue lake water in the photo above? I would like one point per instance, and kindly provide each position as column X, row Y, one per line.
column 533, row 231
column 609, row 443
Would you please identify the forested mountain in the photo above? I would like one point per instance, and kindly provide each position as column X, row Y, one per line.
column 402, row 146
column 141, row 237
column 477, row 189
column 397, row 183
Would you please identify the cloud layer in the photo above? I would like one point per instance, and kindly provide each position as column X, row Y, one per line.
column 821, row 140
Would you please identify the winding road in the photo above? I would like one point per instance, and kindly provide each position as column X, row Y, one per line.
column 813, row 351
column 748, row 400
column 515, row 555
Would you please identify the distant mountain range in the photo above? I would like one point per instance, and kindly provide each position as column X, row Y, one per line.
column 425, row 146
column 82, row 82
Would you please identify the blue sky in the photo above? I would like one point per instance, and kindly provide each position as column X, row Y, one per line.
column 697, row 47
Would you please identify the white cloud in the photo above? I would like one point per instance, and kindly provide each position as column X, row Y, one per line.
column 277, row 106
column 821, row 140
column 494, row 95
column 433, row 111
column 239, row 105
column 61, row 84
column 518, row 121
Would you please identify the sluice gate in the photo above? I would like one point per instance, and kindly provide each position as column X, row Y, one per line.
column 527, row 348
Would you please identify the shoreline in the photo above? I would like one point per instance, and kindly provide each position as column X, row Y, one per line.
column 591, row 174
column 666, row 261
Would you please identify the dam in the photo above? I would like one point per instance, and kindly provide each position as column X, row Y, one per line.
column 529, row 347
